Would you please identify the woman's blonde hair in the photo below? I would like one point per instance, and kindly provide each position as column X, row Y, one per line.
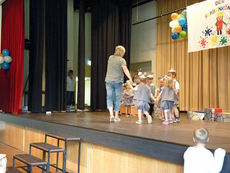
column 169, row 83
column 119, row 51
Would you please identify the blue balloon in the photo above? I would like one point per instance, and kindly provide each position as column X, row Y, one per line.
column 6, row 52
column 175, row 35
column 185, row 27
column 5, row 66
column 182, row 21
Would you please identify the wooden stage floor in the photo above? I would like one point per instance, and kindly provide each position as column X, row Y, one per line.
column 177, row 133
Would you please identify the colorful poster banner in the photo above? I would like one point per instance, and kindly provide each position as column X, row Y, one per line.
column 208, row 25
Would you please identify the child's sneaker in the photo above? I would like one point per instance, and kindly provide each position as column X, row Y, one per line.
column 170, row 121
column 149, row 119
column 139, row 122
column 165, row 122
column 177, row 119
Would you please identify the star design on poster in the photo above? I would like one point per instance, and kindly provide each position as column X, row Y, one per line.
column 203, row 42
column 214, row 39
column 208, row 32
column 223, row 41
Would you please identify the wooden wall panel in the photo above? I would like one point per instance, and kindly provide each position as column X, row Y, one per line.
column 204, row 76
column 94, row 158
column 13, row 135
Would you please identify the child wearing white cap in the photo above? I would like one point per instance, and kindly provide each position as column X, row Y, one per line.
column 142, row 97
column 172, row 74
column 167, row 100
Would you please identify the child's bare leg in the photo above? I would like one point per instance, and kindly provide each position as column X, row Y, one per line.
column 149, row 118
column 166, row 121
column 176, row 112
column 166, row 116
column 171, row 115
column 162, row 115
column 139, row 117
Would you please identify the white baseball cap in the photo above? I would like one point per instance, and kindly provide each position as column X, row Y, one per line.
column 172, row 70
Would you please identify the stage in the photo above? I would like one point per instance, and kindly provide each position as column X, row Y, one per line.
column 163, row 142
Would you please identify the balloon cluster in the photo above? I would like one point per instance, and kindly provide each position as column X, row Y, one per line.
column 179, row 25
column 5, row 59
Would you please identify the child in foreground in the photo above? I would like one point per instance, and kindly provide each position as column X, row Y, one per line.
column 198, row 159
column 142, row 97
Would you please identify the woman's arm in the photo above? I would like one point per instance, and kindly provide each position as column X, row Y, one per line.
column 126, row 71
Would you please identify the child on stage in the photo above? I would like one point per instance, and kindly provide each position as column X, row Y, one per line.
column 167, row 100
column 142, row 97
column 172, row 74
column 128, row 96
column 158, row 91
column 152, row 88
column 198, row 159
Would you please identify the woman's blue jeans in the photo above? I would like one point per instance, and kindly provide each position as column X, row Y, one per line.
column 114, row 91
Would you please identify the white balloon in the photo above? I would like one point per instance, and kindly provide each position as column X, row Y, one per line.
column 7, row 59
column 173, row 23
column 1, row 59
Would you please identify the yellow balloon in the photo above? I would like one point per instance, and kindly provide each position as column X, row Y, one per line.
column 174, row 16
column 180, row 38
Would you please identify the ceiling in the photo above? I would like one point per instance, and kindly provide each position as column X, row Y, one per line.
column 89, row 3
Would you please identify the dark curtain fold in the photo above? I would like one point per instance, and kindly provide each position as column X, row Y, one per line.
column 11, row 81
column 37, row 28
column 81, row 58
column 56, row 54
column 125, row 11
column 111, row 26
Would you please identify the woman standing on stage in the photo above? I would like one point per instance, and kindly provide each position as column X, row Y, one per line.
column 114, row 80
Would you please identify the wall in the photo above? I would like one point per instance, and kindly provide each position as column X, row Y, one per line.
column 143, row 36
column 94, row 158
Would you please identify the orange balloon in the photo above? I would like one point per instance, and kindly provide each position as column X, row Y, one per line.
column 178, row 29
column 1, row 54
column 174, row 16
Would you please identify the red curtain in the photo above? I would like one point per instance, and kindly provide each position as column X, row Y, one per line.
column 11, row 81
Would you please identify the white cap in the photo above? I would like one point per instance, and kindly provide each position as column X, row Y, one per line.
column 165, row 77
column 143, row 77
column 172, row 70
column 139, row 73
column 150, row 75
